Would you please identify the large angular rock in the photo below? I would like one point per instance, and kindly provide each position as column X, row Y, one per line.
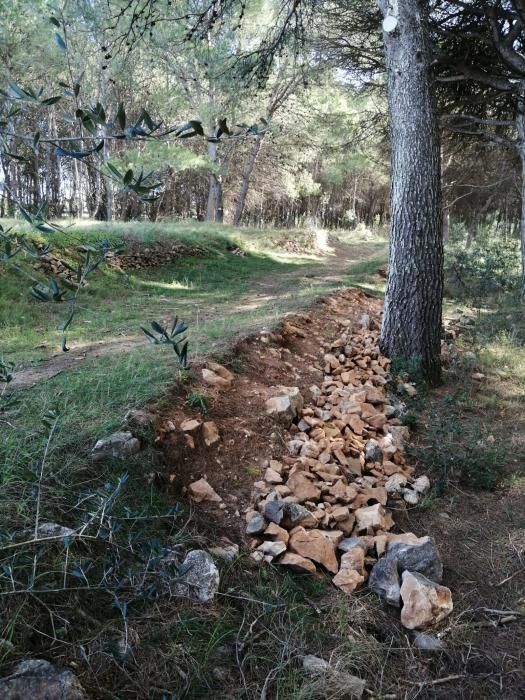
column 303, row 488
column 373, row 517
column 199, row 577
column 425, row 603
column 37, row 679
column 315, row 545
column 119, row 445
column 420, row 557
column 285, row 405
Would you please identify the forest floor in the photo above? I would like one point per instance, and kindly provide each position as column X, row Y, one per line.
column 468, row 435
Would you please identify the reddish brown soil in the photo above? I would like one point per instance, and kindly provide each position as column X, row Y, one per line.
column 248, row 436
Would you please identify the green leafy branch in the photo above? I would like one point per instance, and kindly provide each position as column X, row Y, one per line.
column 175, row 337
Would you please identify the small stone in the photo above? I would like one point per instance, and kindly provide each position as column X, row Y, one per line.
column 272, row 549
column 348, row 579
column 425, row 603
column 200, row 576
column 221, row 371
column 214, row 379
column 201, row 490
column 410, row 497
column 340, row 513
column 303, row 488
column 119, row 445
column 298, row 563
column 274, row 510
column 373, row 452
column 38, row 679
column 227, row 553
column 277, row 533
column 375, row 517
column 409, row 389
column 314, row 666
column 54, row 530
column 188, row 426
column 210, row 433
column 256, row 524
column 296, row 514
column 272, row 477
column 350, row 542
column 428, row 642
column 313, row 544
column 395, row 483
column 421, row 484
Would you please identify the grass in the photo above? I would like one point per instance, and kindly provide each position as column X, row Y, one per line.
column 205, row 289
column 221, row 295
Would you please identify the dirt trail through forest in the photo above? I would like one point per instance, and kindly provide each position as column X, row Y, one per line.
column 329, row 269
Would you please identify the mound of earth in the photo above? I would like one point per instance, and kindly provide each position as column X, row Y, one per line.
column 306, row 451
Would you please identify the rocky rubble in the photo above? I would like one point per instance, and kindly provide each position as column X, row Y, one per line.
column 324, row 502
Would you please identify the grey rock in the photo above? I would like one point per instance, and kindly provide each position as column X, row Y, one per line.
column 373, row 451
column 40, row 680
column 55, row 530
column 349, row 543
column 200, row 577
column 256, row 524
column 364, row 322
column 274, row 511
column 296, row 514
column 420, row 558
column 119, row 445
column 428, row 642
column 384, row 581
column 314, row 665
column 411, row 497
column 228, row 552
column 140, row 421
column 272, row 549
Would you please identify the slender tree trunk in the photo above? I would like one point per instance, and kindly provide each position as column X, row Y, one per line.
column 214, row 210
column 520, row 124
column 246, row 177
column 411, row 329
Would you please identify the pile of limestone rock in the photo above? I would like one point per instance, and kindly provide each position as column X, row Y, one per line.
column 323, row 505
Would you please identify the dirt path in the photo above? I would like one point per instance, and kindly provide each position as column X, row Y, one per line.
column 327, row 272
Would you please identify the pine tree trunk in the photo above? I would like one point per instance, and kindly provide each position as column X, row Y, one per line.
column 246, row 177
column 214, row 209
column 411, row 329
column 520, row 125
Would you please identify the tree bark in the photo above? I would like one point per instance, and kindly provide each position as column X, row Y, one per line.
column 411, row 328
column 214, row 210
column 520, row 125
column 246, row 177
